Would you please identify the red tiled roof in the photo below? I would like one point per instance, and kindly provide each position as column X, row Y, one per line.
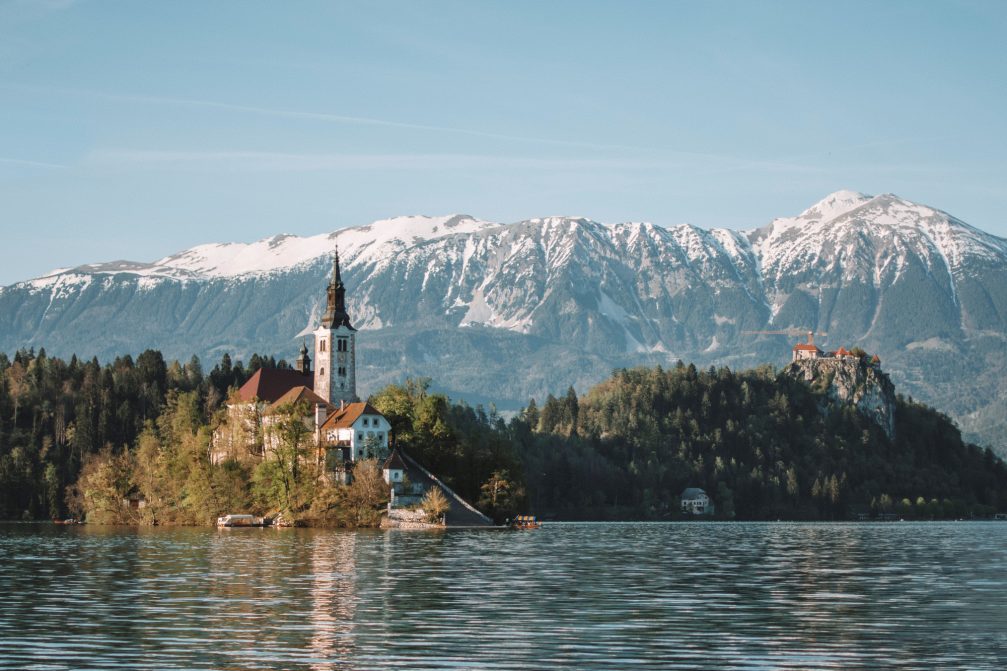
column 269, row 384
column 342, row 419
column 875, row 359
column 806, row 347
column 842, row 351
column 296, row 395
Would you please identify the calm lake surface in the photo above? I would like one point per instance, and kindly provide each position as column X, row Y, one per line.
column 569, row 596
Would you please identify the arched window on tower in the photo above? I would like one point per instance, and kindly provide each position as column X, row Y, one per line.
column 321, row 345
column 321, row 372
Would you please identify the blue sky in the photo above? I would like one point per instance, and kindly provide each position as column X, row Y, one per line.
column 135, row 129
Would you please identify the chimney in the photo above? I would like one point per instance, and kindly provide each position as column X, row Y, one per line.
column 342, row 405
column 320, row 415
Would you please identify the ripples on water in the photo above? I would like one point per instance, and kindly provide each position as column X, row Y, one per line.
column 570, row 596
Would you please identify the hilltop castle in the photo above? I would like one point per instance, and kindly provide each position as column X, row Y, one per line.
column 809, row 350
column 342, row 429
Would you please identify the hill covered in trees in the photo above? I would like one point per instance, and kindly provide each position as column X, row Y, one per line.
column 762, row 443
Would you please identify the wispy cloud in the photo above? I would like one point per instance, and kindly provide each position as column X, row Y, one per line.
column 271, row 161
column 316, row 162
column 37, row 164
column 710, row 162
column 324, row 117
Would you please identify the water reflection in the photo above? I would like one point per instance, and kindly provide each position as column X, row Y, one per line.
column 333, row 603
column 577, row 596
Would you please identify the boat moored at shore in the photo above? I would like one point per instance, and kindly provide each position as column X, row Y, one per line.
column 243, row 521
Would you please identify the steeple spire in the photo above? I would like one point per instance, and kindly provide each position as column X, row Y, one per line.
column 336, row 279
column 335, row 312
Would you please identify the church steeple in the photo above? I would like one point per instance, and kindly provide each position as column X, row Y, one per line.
column 335, row 313
column 336, row 346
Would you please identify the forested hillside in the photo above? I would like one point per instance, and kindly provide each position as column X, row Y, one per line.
column 763, row 444
column 82, row 436
column 54, row 413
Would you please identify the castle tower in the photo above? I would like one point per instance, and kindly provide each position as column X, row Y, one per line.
column 303, row 363
column 335, row 346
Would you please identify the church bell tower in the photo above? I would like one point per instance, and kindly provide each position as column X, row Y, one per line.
column 335, row 346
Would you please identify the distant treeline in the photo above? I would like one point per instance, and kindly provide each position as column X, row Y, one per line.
column 54, row 413
column 756, row 441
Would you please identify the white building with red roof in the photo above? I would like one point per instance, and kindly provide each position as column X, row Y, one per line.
column 806, row 350
column 358, row 430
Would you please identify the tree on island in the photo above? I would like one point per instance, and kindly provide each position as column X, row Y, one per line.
column 501, row 497
column 435, row 505
column 285, row 480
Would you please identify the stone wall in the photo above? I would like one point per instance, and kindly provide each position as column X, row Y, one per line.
column 407, row 519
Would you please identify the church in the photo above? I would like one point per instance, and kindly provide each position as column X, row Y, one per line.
column 340, row 429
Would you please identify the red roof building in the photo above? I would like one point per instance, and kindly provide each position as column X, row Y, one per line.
column 346, row 416
column 268, row 385
column 804, row 350
column 361, row 428
column 296, row 395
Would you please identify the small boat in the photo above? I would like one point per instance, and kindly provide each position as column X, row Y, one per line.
column 524, row 522
column 241, row 521
column 69, row 520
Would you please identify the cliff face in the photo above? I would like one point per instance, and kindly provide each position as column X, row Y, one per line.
column 850, row 381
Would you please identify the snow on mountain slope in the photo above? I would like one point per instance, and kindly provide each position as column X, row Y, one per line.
column 852, row 236
column 237, row 259
column 518, row 306
column 376, row 242
column 504, row 275
column 834, row 205
column 371, row 243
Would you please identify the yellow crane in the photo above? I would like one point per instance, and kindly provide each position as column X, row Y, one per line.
column 790, row 332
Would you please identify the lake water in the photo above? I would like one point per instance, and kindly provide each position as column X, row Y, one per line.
column 569, row 596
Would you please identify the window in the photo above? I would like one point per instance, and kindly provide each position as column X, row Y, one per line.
column 365, row 421
column 321, row 345
column 341, row 345
column 360, row 436
column 342, row 371
column 321, row 372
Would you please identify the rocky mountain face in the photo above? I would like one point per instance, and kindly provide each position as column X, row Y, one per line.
column 502, row 312
column 851, row 382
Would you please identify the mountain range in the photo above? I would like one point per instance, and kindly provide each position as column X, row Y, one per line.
column 503, row 312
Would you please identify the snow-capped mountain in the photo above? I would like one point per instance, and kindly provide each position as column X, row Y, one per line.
column 506, row 311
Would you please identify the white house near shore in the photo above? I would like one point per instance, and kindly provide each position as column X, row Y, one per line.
column 359, row 430
column 696, row 502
